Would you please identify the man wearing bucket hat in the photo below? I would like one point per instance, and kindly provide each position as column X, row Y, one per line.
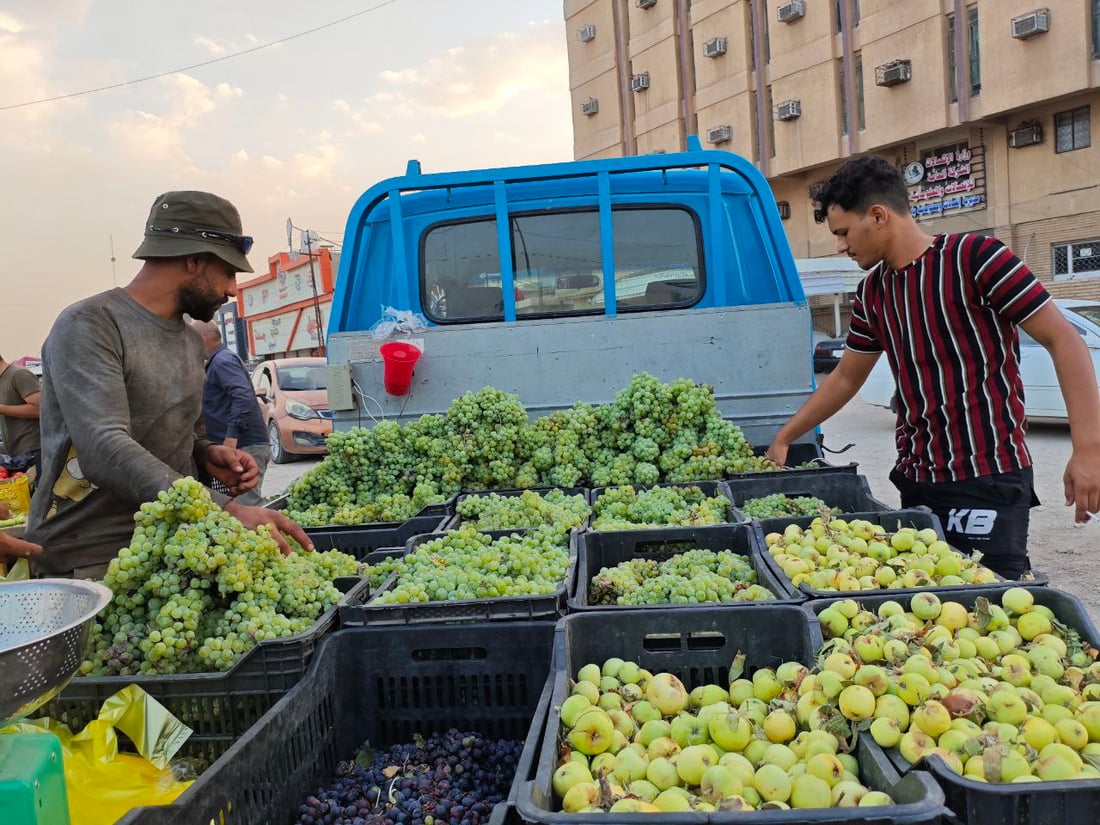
column 121, row 407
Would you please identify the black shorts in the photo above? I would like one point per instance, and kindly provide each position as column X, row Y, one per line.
column 988, row 514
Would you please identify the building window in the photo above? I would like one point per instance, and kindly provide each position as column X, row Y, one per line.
column 953, row 61
column 860, row 115
column 1072, row 130
column 769, row 108
column 1077, row 260
column 975, row 55
column 853, row 8
column 843, row 98
column 1096, row 29
column 767, row 33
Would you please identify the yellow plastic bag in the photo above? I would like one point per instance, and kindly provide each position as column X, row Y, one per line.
column 103, row 784
column 16, row 493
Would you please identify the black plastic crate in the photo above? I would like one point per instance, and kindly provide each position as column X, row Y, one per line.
column 364, row 539
column 891, row 520
column 370, row 685
column 842, row 491
column 502, row 608
column 698, row 646
column 710, row 489
column 455, row 521
column 799, row 453
column 1032, row 803
column 218, row 707
column 599, row 550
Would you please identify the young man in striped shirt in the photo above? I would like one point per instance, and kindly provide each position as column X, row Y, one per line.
column 945, row 309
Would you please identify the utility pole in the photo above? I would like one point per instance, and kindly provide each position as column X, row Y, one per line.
column 307, row 235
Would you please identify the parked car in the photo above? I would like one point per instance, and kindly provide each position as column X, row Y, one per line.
column 827, row 352
column 294, row 400
column 1043, row 399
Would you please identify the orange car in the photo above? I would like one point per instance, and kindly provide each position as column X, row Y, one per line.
column 294, row 402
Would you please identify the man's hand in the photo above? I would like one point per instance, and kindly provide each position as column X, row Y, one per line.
column 253, row 517
column 17, row 547
column 777, row 452
column 1082, row 483
column 236, row 469
column 5, row 510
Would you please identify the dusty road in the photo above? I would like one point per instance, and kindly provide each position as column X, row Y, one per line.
column 1069, row 555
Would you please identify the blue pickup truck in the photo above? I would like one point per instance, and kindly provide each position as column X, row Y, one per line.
column 558, row 282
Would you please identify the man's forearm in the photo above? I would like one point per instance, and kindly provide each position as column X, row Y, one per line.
column 1077, row 379
column 19, row 410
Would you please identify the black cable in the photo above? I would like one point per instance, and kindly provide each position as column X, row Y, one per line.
column 211, row 62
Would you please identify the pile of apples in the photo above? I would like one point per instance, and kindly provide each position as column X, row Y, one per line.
column 833, row 554
column 1002, row 693
column 634, row 742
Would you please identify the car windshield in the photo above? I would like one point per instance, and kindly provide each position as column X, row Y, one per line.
column 302, row 377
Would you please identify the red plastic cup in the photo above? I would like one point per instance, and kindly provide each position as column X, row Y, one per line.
column 398, row 360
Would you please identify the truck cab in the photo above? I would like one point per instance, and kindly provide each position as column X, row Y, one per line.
column 558, row 282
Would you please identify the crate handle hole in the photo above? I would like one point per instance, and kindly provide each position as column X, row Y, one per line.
column 662, row 642
column 448, row 654
column 706, row 640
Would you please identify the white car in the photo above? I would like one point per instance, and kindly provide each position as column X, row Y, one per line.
column 1042, row 396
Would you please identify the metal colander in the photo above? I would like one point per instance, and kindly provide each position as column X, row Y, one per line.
column 45, row 625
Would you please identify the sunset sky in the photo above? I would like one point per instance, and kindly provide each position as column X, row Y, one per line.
column 296, row 130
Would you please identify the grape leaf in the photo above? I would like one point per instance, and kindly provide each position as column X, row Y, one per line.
column 982, row 612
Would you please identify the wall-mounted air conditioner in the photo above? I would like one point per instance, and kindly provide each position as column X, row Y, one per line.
column 1026, row 134
column 714, row 47
column 586, row 33
column 639, row 82
column 645, row 4
column 789, row 110
column 1029, row 25
column 720, row 134
column 894, row 72
column 590, row 106
column 789, row 12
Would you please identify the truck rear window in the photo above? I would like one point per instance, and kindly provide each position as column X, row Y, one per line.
column 558, row 264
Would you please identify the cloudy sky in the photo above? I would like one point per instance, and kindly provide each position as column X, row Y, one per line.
column 297, row 130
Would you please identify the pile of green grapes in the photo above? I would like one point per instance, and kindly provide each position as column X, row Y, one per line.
column 465, row 564
column 651, row 432
column 695, row 576
column 195, row 590
column 626, row 508
column 778, row 505
column 528, row 509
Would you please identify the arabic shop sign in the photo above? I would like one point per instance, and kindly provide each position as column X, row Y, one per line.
column 944, row 181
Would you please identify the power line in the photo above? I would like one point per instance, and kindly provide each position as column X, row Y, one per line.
column 210, row 62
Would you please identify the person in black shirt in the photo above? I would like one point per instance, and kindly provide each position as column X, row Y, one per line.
column 229, row 406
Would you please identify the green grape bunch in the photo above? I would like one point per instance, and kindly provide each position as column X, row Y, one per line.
column 528, row 509
column 466, row 564
column 195, row 590
column 627, row 508
column 651, row 432
column 696, row 576
column 778, row 505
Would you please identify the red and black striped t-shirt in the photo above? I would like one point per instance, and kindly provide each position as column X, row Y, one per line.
column 947, row 323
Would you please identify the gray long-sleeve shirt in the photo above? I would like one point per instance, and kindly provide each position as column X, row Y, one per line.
column 121, row 417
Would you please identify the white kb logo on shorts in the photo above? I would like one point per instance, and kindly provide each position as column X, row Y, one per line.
column 978, row 522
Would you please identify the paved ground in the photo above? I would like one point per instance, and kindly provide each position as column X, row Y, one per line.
column 1067, row 554
column 279, row 476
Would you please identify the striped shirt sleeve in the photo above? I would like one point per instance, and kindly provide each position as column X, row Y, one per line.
column 861, row 337
column 1005, row 281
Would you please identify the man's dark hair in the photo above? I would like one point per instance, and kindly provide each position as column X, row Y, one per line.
column 859, row 184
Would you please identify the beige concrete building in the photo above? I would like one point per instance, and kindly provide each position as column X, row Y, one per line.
column 985, row 104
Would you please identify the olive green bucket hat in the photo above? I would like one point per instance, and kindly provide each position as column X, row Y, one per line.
column 186, row 223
